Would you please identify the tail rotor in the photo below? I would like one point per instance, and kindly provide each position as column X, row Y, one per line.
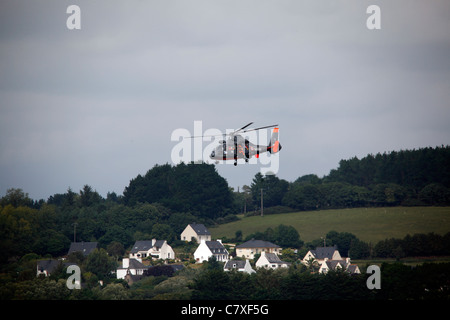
column 274, row 145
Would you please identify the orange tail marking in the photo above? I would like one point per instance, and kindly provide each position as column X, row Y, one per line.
column 275, row 147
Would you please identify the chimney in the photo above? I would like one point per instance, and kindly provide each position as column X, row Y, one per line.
column 125, row 263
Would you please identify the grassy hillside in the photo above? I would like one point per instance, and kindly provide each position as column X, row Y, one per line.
column 368, row 224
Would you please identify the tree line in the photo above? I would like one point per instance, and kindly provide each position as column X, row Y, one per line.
column 414, row 169
column 416, row 245
column 408, row 177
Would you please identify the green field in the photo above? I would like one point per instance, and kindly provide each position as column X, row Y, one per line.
column 367, row 224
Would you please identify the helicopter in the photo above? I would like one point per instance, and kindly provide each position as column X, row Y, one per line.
column 237, row 147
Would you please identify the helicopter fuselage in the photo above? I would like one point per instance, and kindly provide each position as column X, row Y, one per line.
column 236, row 147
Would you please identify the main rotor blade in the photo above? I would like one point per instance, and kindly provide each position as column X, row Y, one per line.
column 271, row 126
column 243, row 127
column 234, row 132
column 223, row 134
column 213, row 135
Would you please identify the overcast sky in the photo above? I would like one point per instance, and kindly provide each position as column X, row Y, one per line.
column 98, row 105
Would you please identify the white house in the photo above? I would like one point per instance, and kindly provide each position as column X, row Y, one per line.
column 249, row 248
column 239, row 265
column 132, row 267
column 343, row 264
column 270, row 261
column 158, row 249
column 322, row 253
column 207, row 249
column 195, row 231
column 329, row 258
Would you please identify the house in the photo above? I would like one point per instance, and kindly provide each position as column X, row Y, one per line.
column 239, row 265
column 250, row 248
column 197, row 232
column 47, row 267
column 343, row 264
column 270, row 261
column 322, row 253
column 207, row 249
column 131, row 278
column 158, row 249
column 132, row 267
column 329, row 258
column 84, row 247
